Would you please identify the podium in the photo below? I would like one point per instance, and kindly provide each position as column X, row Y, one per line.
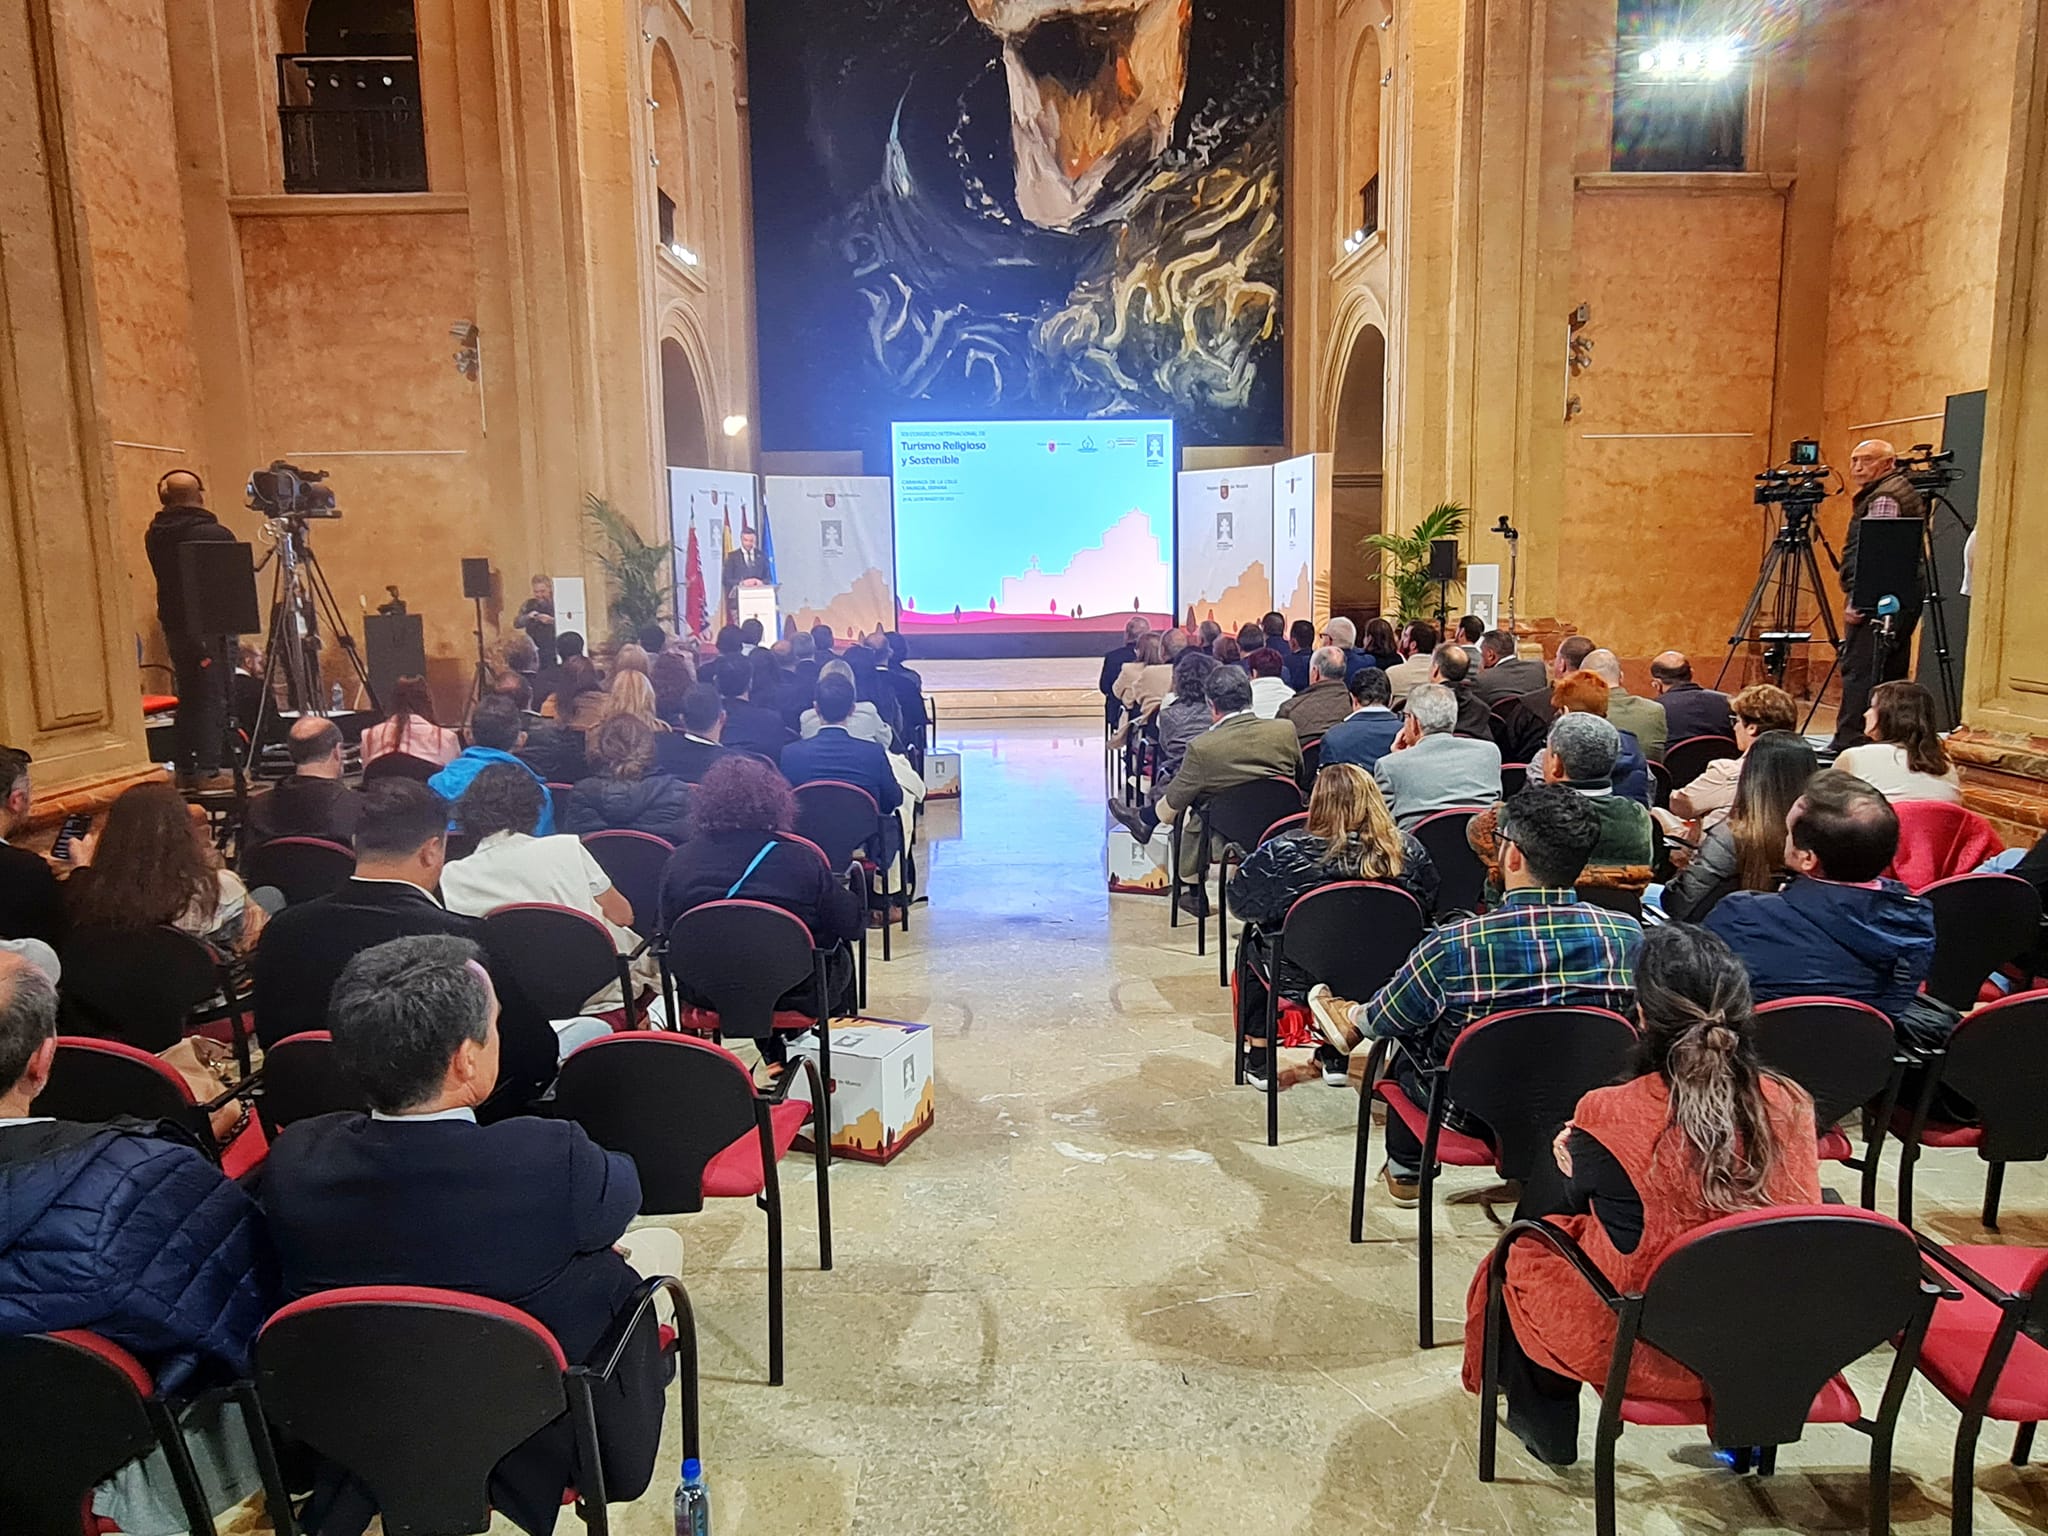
column 759, row 603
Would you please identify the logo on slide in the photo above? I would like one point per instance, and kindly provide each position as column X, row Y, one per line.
column 831, row 498
column 1155, row 449
column 832, row 536
column 1087, row 445
column 1052, row 447
column 1226, row 530
column 1223, row 492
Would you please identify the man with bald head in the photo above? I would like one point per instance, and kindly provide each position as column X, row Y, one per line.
column 201, row 662
column 1641, row 717
column 313, row 802
column 1881, row 492
column 1689, row 709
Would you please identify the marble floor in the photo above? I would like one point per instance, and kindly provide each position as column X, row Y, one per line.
column 1092, row 1300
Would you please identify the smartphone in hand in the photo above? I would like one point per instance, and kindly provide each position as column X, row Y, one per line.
column 76, row 825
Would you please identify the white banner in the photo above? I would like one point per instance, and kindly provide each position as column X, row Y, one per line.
column 1225, row 548
column 1294, row 537
column 834, row 539
column 1482, row 593
column 715, row 505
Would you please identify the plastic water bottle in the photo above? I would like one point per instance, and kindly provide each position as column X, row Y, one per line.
column 335, row 698
column 693, row 1501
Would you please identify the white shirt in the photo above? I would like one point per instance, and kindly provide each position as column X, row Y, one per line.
column 1268, row 694
column 1882, row 765
column 865, row 722
column 511, row 866
column 460, row 1112
column 25, row 1120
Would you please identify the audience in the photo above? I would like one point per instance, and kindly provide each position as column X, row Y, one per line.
column 631, row 695
column 1350, row 836
column 1689, row 709
column 630, row 657
column 1143, row 684
column 673, row 675
column 865, row 721
column 653, row 639
column 1185, row 716
column 1207, row 633
column 1273, row 625
column 1540, row 947
column 1642, row 718
column 821, row 644
column 751, row 636
column 1428, row 768
column 1226, row 651
column 1301, row 643
column 413, row 728
column 833, row 751
column 1581, row 755
column 31, row 906
column 1237, row 748
column 1520, row 728
column 495, row 734
column 580, row 698
column 766, row 681
column 689, row 753
column 1418, row 645
column 1367, row 734
column 625, row 793
column 1505, row 674
column 750, row 727
column 401, row 846
column 547, row 683
column 1583, row 693
column 1325, row 701
column 1699, row 1131
column 1451, row 666
column 1471, row 628
column 1380, row 645
column 1746, row 850
column 909, row 689
column 1343, row 634
column 1904, row 758
column 313, row 802
column 526, row 1211
column 1250, row 637
column 152, row 866
column 1757, row 710
column 1269, row 684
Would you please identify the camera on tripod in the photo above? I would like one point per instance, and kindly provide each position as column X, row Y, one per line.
column 285, row 491
column 1801, row 480
column 1929, row 470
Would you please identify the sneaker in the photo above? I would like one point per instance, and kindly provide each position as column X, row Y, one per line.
column 1332, row 1017
column 1255, row 1068
column 1133, row 821
column 1404, row 1189
column 1335, row 1067
column 1193, row 900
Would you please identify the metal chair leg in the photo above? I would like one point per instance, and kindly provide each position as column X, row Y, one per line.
column 774, row 1198
column 186, row 1480
column 1223, row 921
column 1360, row 1161
column 1963, row 1475
column 1273, row 1071
column 1994, row 1188
column 2023, row 1445
column 1425, row 1253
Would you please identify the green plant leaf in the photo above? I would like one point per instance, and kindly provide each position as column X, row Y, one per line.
column 640, row 575
column 1404, row 559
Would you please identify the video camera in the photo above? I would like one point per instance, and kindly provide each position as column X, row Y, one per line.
column 1800, row 481
column 1929, row 470
column 285, row 491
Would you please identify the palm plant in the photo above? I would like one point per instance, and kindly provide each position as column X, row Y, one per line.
column 640, row 575
column 1404, row 559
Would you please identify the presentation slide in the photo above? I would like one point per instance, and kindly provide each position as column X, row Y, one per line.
column 1033, row 527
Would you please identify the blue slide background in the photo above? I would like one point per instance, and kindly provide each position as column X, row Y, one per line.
column 961, row 529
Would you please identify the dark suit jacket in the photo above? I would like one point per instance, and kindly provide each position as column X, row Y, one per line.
column 31, row 906
column 1362, row 739
column 1696, row 711
column 1475, row 719
column 833, row 754
column 524, row 1212
column 302, row 806
column 675, row 753
column 739, row 567
column 1511, row 679
column 1113, row 665
column 751, row 727
column 304, row 948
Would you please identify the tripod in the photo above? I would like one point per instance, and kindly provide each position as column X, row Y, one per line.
column 1937, row 619
column 1789, row 564
column 299, row 596
column 481, row 688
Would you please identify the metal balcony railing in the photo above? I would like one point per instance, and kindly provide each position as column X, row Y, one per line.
column 351, row 124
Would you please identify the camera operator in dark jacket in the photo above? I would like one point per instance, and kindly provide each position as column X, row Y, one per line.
column 200, row 662
column 1882, row 492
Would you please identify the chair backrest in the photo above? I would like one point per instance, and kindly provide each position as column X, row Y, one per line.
column 302, row 868
column 97, row 1080
column 839, row 818
column 1312, row 756
column 1938, row 839
column 634, row 860
column 1662, row 783
column 78, row 1417
column 1998, row 1060
column 1523, row 1073
column 1513, row 778
column 399, row 765
column 1612, row 898
column 1687, row 760
column 138, row 986
column 742, row 955
column 1352, row 936
column 302, row 1078
column 1240, row 813
column 1839, row 1051
column 416, row 1393
column 1285, row 825
column 1461, row 876
column 668, row 1101
column 1980, row 923
column 560, row 957
column 1841, row 1281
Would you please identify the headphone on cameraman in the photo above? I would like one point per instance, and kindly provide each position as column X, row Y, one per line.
column 160, row 479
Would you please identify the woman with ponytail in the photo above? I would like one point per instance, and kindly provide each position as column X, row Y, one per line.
column 1700, row 1132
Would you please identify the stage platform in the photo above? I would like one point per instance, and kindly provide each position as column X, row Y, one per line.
column 1021, row 688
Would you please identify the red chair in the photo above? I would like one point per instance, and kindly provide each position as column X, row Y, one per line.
column 1983, row 1353
column 1841, row 1282
column 1283, row 826
column 92, row 1081
column 561, row 957
column 1686, row 760
column 1997, row 1059
column 84, row 1408
column 1522, row 1074
column 400, row 765
column 1238, row 817
column 302, row 868
column 149, row 988
column 848, row 825
column 689, row 1115
column 418, row 1393
column 1981, row 922
column 1845, row 1055
column 302, row 1078
column 1938, row 840
column 635, row 861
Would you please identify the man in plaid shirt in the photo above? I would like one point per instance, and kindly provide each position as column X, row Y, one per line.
column 1540, row 947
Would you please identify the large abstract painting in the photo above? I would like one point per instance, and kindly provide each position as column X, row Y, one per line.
column 1017, row 209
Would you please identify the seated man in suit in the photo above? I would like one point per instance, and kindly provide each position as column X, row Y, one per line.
column 31, row 904
column 1643, row 718
column 865, row 722
column 1367, row 734
column 1430, row 769
column 1325, row 701
column 401, row 844
column 416, row 1192
column 689, row 753
column 1519, row 731
column 1237, row 748
column 1504, row 674
column 1451, row 665
column 750, row 727
column 313, row 802
column 834, row 752
column 1418, row 645
column 1689, row 709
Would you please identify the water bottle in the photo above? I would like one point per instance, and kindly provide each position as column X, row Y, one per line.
column 334, row 699
column 693, row 1501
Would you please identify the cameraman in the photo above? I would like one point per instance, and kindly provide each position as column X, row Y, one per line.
column 200, row 661
column 1881, row 491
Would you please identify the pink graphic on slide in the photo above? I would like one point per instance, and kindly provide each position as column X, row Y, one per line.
column 1094, row 591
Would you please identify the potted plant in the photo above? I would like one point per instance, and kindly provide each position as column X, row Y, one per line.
column 640, row 576
column 1404, row 560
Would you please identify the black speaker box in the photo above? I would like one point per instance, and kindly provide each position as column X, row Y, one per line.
column 398, row 648
column 220, row 589
column 1443, row 560
column 476, row 579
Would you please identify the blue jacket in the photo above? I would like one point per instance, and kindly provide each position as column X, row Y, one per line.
column 834, row 754
column 1362, row 739
column 136, row 1237
column 1820, row 939
column 451, row 781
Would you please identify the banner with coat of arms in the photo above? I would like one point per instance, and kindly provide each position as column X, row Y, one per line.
column 835, row 551
column 1224, row 552
column 708, row 510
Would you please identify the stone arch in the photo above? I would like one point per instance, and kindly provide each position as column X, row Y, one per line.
column 686, row 432
column 356, row 26
column 1359, row 469
column 670, row 143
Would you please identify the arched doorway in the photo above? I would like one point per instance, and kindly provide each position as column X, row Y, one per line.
column 1358, row 474
column 685, row 438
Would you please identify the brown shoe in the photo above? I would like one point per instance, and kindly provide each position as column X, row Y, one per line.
column 220, row 782
column 1332, row 1017
column 1404, row 1189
